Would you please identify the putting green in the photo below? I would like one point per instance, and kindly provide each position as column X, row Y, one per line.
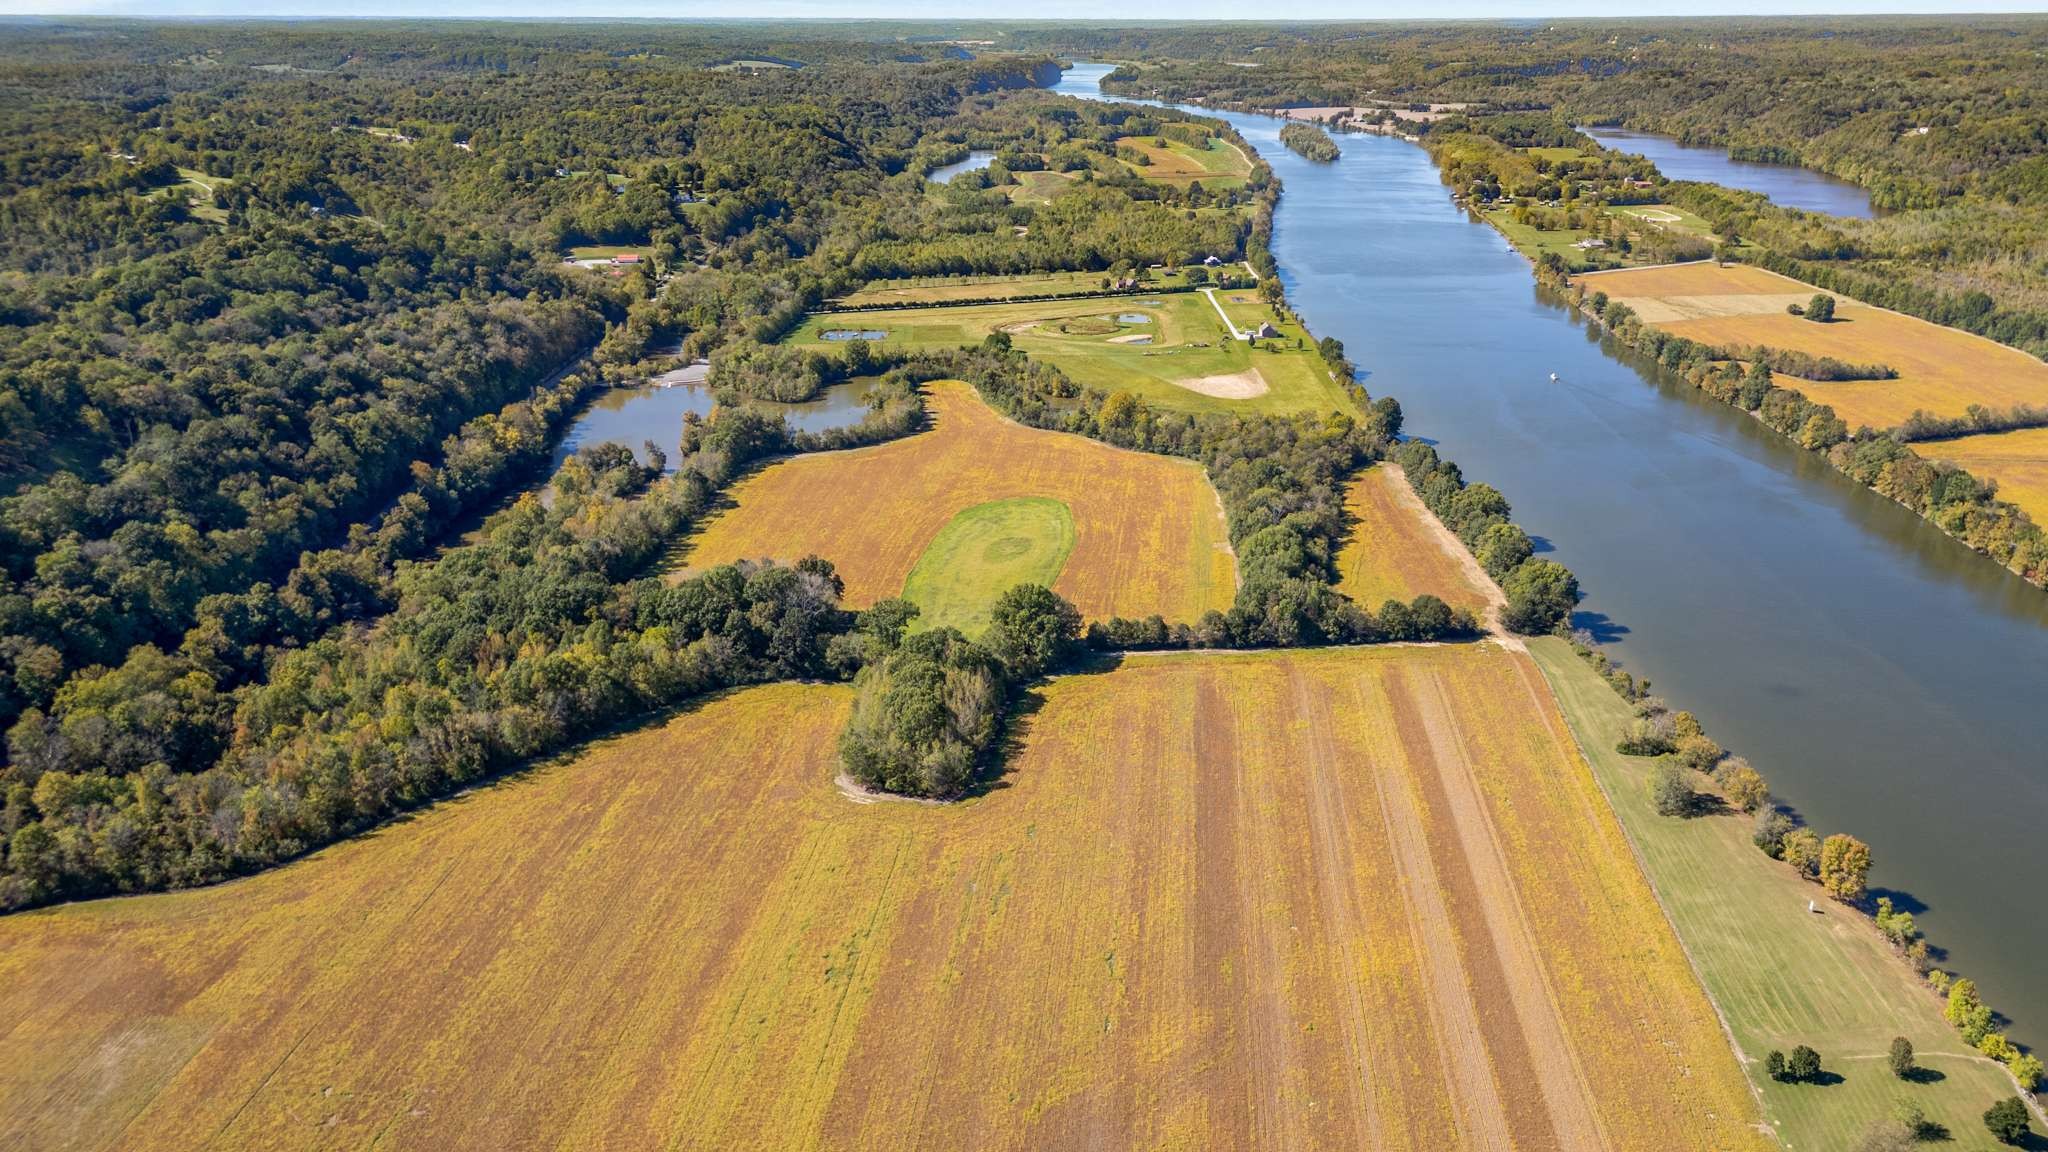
column 983, row 552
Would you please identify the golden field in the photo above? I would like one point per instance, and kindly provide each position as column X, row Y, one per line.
column 1149, row 534
column 1396, row 550
column 2017, row 460
column 1941, row 370
column 1350, row 898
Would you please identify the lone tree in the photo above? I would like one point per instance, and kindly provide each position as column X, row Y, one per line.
column 2007, row 1120
column 1821, row 309
column 1901, row 1057
column 1671, row 791
column 1803, row 1065
column 1844, row 862
column 1774, row 1065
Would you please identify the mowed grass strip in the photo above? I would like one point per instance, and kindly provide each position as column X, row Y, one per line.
column 1090, row 341
column 2017, row 460
column 1782, row 976
column 1148, row 534
column 1394, row 552
column 1941, row 370
column 1185, row 921
column 984, row 552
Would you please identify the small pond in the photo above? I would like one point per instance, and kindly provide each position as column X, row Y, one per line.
column 1133, row 318
column 655, row 411
column 975, row 162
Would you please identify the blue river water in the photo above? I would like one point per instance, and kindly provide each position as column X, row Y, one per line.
column 1887, row 681
column 1786, row 184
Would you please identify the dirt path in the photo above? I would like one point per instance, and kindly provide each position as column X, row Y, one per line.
column 1236, row 333
column 1496, row 601
column 1566, row 1092
column 1482, row 1119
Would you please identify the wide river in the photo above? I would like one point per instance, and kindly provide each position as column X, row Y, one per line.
column 1885, row 680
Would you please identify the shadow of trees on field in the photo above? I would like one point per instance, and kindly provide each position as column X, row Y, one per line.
column 1022, row 716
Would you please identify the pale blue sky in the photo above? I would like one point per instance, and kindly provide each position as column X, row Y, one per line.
column 1016, row 9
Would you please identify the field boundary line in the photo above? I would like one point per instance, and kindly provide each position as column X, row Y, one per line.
column 1578, row 750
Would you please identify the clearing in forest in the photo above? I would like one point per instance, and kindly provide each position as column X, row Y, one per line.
column 2017, row 460
column 1147, row 533
column 1169, row 349
column 1347, row 898
column 1221, row 165
column 1783, row 975
column 1396, row 550
column 946, row 289
column 1941, row 370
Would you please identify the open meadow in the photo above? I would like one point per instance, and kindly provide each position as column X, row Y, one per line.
column 1782, row 975
column 1221, row 165
column 1171, row 349
column 1941, row 370
column 2017, row 460
column 1352, row 898
column 1145, row 532
column 1397, row 551
column 1021, row 286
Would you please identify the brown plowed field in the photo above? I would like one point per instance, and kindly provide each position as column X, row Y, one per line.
column 1394, row 552
column 1149, row 534
column 1941, row 370
column 1335, row 899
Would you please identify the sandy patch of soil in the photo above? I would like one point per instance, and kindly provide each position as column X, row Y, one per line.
column 1232, row 386
column 1133, row 338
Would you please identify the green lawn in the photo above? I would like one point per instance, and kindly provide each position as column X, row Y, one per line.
column 1022, row 286
column 1781, row 975
column 1188, row 344
column 607, row 251
column 985, row 551
column 1532, row 242
column 1554, row 154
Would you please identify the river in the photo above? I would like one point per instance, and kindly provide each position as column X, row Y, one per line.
column 1788, row 185
column 1885, row 680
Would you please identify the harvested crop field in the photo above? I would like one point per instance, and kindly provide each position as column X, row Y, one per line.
column 1396, row 550
column 1219, row 166
column 1148, row 534
column 2017, row 460
column 1339, row 899
column 1941, row 370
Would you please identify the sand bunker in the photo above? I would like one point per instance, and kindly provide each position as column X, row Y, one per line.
column 1023, row 326
column 1235, row 386
column 1133, row 338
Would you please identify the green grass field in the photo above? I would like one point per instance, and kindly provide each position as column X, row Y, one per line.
column 1022, row 286
column 1189, row 347
column 985, row 551
column 1782, row 975
column 607, row 251
column 1039, row 187
column 1219, row 166
column 1532, row 242
column 1554, row 154
column 198, row 191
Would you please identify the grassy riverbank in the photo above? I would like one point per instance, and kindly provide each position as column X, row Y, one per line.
column 1781, row 975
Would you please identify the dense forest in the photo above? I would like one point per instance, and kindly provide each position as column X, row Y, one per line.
column 286, row 306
